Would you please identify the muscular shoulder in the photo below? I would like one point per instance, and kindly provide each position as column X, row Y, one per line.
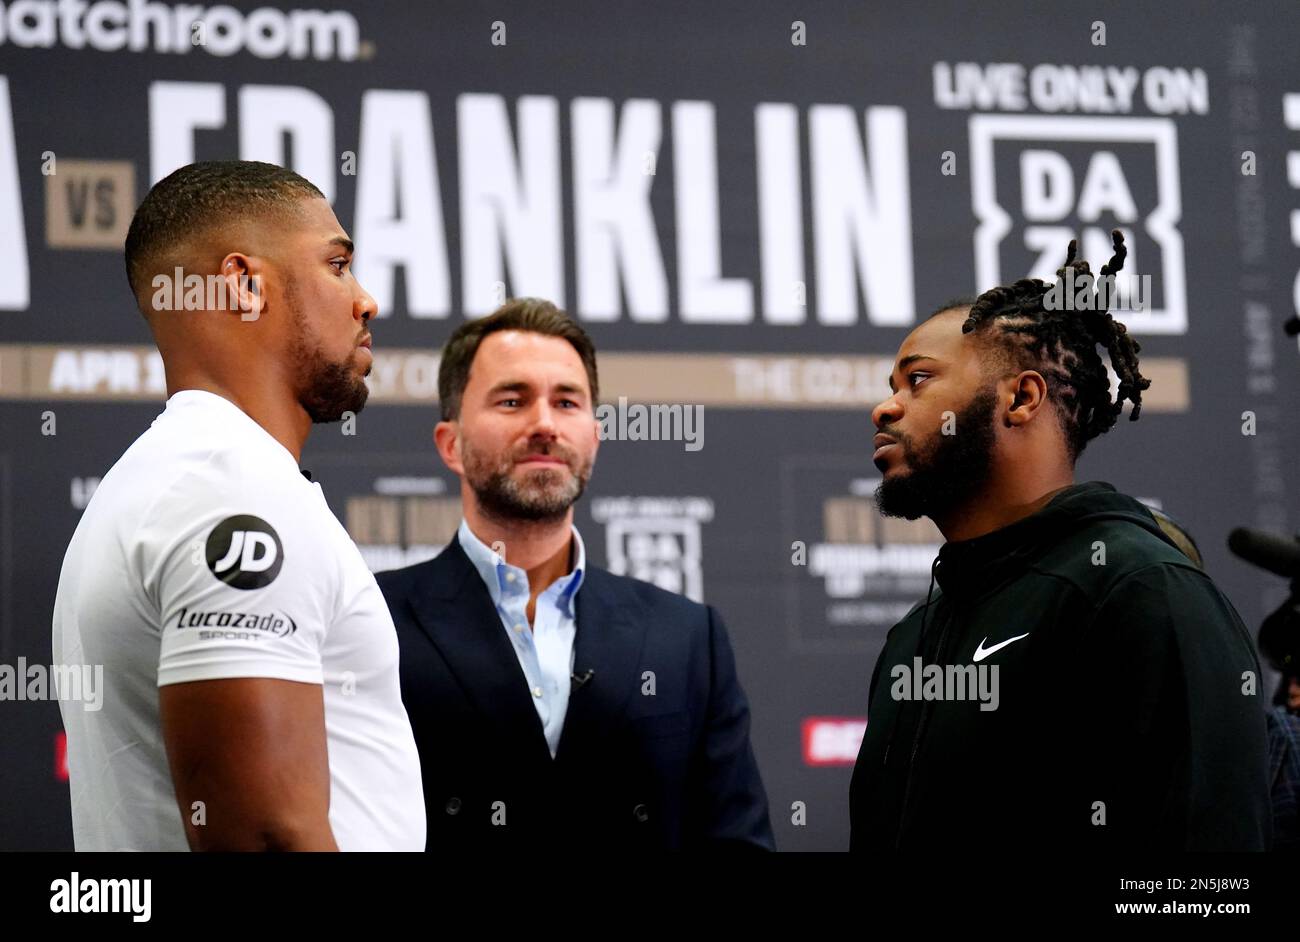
column 1105, row 555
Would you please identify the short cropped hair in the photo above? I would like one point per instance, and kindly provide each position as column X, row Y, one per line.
column 203, row 196
column 532, row 315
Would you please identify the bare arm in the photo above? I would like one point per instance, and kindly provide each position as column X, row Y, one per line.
column 253, row 751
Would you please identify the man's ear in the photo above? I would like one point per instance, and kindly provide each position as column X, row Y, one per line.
column 446, row 436
column 245, row 292
column 1025, row 394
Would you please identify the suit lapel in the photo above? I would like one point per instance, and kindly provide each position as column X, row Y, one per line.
column 455, row 610
column 608, row 642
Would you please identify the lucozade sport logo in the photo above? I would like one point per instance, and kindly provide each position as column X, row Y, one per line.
column 1039, row 181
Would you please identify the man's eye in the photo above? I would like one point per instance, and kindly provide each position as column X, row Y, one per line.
column 568, row 402
column 912, row 379
column 508, row 402
column 342, row 263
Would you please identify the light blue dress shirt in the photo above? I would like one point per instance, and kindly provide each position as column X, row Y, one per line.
column 546, row 652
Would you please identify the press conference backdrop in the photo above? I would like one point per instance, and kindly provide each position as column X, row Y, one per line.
column 748, row 206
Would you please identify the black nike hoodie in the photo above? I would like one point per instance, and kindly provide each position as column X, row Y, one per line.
column 1073, row 681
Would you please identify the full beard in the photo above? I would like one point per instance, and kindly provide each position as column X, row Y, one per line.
column 536, row 495
column 333, row 389
column 330, row 389
column 947, row 474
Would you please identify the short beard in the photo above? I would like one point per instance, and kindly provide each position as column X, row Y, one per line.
column 543, row 496
column 950, row 472
column 333, row 389
column 330, row 389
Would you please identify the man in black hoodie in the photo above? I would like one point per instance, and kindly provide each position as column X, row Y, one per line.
column 1072, row 681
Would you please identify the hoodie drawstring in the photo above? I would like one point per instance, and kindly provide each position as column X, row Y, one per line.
column 925, row 613
column 920, row 648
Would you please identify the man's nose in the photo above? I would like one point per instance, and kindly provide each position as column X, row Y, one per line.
column 886, row 412
column 543, row 419
column 364, row 306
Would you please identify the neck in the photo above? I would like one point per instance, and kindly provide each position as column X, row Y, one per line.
column 1007, row 499
column 270, row 406
column 539, row 547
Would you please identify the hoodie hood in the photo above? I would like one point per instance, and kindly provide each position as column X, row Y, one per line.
column 973, row 567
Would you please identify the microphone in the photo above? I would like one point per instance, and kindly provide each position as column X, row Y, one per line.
column 1267, row 550
column 576, row 682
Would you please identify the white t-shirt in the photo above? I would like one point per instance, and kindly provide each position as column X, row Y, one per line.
column 203, row 554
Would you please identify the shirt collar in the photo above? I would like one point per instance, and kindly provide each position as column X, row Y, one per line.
column 496, row 573
column 202, row 399
column 986, row 562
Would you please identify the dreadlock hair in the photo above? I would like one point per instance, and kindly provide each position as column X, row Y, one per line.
column 1061, row 344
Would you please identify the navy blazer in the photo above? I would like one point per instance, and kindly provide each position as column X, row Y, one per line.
column 634, row 769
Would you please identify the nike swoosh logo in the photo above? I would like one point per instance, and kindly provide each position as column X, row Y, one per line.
column 982, row 652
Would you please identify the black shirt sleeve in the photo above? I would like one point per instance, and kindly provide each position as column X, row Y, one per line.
column 1167, row 698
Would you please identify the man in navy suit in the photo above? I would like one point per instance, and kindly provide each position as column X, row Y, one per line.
column 554, row 704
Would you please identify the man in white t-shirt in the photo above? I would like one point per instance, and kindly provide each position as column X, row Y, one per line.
column 250, row 663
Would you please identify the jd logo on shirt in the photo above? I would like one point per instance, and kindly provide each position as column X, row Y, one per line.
column 245, row 552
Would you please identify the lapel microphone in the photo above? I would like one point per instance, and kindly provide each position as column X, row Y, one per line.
column 576, row 682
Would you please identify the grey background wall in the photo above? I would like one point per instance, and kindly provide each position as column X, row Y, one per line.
column 747, row 207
